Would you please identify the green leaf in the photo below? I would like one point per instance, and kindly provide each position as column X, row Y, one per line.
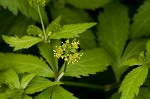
column 143, row 93
column 141, row 21
column 46, row 50
column 72, row 30
column 25, row 8
column 6, row 95
column 25, row 63
column 88, row 4
column 26, row 79
column 46, row 94
column 113, row 29
column 13, row 25
column 27, row 97
column 148, row 46
column 70, row 15
column 39, row 84
column 61, row 93
column 91, row 62
column 20, row 43
column 132, row 82
column 12, row 79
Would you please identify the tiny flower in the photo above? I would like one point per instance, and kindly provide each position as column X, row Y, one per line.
column 68, row 51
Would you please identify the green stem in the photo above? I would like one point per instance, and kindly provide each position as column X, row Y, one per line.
column 65, row 66
column 44, row 33
column 84, row 85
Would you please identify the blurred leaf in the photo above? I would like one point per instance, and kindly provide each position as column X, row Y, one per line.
column 25, row 63
column 141, row 21
column 91, row 62
column 25, row 8
column 148, row 46
column 13, row 25
column 88, row 4
column 113, row 29
column 132, row 82
column 12, row 79
column 71, row 15
column 21, row 43
column 72, row 30
column 143, row 93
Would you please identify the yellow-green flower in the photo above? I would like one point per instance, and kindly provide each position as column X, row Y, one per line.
column 68, row 51
column 35, row 3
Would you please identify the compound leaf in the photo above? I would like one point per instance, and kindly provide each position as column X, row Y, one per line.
column 71, row 30
column 88, row 4
column 113, row 29
column 25, row 63
column 140, row 26
column 132, row 82
column 20, row 43
column 39, row 84
column 92, row 61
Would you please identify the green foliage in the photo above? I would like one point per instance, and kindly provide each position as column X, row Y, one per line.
column 91, row 62
column 113, row 29
column 57, row 92
column 25, row 63
column 20, row 43
column 141, row 22
column 24, row 7
column 118, row 46
column 90, row 4
column 132, row 82
column 143, row 93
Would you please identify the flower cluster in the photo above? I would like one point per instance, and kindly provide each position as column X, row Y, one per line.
column 35, row 3
column 68, row 51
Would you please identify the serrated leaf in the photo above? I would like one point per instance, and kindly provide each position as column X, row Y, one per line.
column 21, row 43
column 132, row 82
column 143, row 93
column 91, row 62
column 25, row 8
column 38, row 84
column 12, row 79
column 88, row 4
column 26, row 79
column 141, row 21
column 113, row 29
column 25, row 63
column 61, row 93
column 71, row 30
